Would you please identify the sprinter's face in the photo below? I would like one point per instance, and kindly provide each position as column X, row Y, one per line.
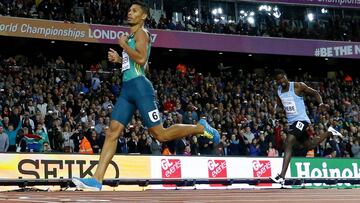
column 282, row 80
column 136, row 15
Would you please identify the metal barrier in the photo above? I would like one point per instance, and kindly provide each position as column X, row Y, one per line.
column 64, row 183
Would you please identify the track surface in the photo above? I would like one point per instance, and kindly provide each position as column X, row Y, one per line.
column 197, row 196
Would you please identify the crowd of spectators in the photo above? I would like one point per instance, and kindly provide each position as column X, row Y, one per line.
column 113, row 12
column 330, row 28
column 52, row 105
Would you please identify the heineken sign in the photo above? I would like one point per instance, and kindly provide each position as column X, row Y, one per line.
column 324, row 168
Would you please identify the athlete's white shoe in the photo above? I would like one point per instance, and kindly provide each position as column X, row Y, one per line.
column 278, row 179
column 335, row 132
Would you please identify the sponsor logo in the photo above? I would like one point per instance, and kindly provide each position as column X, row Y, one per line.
column 217, row 169
column 53, row 168
column 170, row 169
column 262, row 169
column 330, row 169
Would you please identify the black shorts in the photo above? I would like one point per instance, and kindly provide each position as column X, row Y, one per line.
column 298, row 129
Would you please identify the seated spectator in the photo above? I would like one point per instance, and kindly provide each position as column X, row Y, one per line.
column 187, row 151
column 30, row 140
column 194, row 145
column 254, row 148
column 272, row 152
column 43, row 136
column 205, row 146
column 263, row 145
column 355, row 148
column 180, row 145
column 95, row 142
column 234, row 147
column 84, row 146
column 46, row 147
column 221, row 149
column 310, row 153
column 133, row 144
column 143, row 144
column 4, row 140
column 155, row 146
column 166, row 150
column 68, row 143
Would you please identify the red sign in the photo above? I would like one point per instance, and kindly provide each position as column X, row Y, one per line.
column 170, row 169
column 262, row 169
column 217, row 169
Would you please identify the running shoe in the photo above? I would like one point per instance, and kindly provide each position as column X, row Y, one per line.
column 278, row 179
column 87, row 183
column 210, row 132
column 335, row 132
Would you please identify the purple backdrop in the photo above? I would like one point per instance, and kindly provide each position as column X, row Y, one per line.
column 245, row 44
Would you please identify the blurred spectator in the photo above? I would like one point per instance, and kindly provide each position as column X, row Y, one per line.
column 222, row 148
column 107, row 104
column 329, row 152
column 272, row 152
column 133, row 144
column 95, row 82
column 55, row 137
column 28, row 122
column 254, row 149
column 100, row 126
column 248, row 134
column 68, row 144
column 355, row 148
column 310, row 153
column 85, row 145
column 28, row 141
column 144, row 144
column 43, row 136
column 11, row 132
column 205, row 146
column 335, row 146
column 263, row 145
column 234, row 146
column 194, row 145
column 166, row 150
column 187, row 151
column 4, row 140
column 95, row 142
column 155, row 146
column 46, row 147
column 180, row 146
column 122, row 147
column 21, row 140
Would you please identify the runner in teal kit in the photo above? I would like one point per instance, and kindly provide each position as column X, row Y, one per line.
column 138, row 93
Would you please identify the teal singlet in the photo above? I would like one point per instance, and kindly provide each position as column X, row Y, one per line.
column 130, row 68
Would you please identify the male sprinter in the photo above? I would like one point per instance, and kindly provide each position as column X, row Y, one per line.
column 137, row 93
column 291, row 96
